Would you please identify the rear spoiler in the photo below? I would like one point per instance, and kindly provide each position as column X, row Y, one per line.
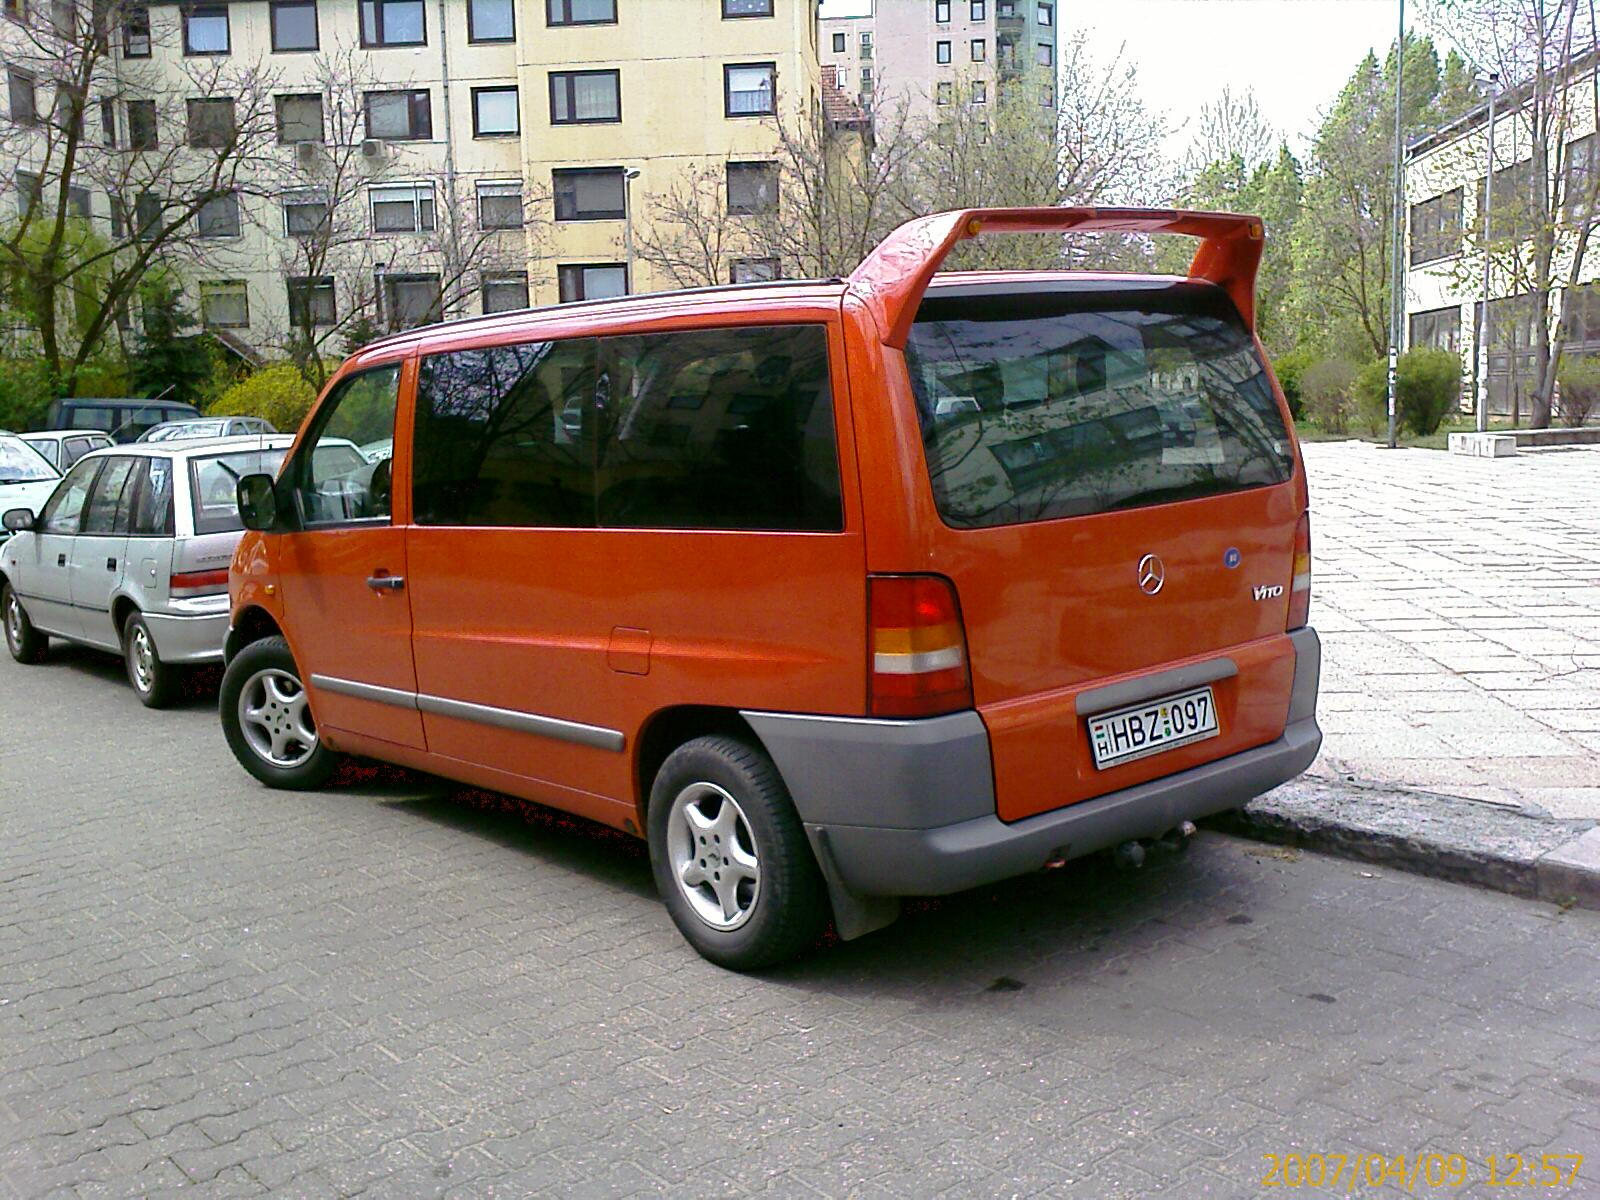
column 892, row 279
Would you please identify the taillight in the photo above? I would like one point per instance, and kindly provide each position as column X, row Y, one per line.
column 1300, row 589
column 197, row 583
column 919, row 651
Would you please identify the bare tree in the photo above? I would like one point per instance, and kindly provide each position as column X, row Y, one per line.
column 691, row 235
column 1232, row 124
column 175, row 160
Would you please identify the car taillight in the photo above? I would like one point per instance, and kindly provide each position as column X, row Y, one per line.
column 198, row 583
column 1300, row 589
column 918, row 648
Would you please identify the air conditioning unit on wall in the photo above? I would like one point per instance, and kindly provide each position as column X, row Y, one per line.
column 308, row 154
column 374, row 149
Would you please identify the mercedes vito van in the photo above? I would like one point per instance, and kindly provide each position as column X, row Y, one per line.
column 835, row 592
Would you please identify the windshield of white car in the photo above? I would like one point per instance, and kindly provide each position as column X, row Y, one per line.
column 21, row 463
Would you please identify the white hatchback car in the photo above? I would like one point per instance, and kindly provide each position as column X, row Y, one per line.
column 130, row 554
column 26, row 477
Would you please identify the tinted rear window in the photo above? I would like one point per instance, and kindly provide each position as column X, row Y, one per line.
column 214, row 486
column 1037, row 405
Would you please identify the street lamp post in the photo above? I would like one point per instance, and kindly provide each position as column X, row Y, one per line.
column 629, row 174
column 1483, row 325
column 1397, row 275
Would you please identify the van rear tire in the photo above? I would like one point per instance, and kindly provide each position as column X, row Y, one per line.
column 730, row 856
column 267, row 719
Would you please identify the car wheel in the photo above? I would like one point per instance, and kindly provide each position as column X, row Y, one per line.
column 267, row 719
column 154, row 682
column 730, row 857
column 27, row 644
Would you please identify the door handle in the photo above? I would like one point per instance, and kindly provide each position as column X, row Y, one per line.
column 111, row 564
column 61, row 560
column 386, row 583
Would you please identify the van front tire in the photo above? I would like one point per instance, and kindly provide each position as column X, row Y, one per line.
column 267, row 719
column 730, row 857
column 27, row 644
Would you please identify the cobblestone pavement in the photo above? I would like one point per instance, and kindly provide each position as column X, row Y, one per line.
column 381, row 989
column 1459, row 604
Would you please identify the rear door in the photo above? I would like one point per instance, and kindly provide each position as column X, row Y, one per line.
column 97, row 559
column 1110, row 471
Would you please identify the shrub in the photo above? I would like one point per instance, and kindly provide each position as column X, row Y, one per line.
column 1427, row 388
column 25, row 392
column 277, row 392
column 1580, row 390
column 1325, row 391
column 1291, row 370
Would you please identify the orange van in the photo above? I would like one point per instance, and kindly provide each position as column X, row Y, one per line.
column 835, row 592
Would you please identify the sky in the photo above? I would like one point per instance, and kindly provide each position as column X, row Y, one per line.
column 1294, row 54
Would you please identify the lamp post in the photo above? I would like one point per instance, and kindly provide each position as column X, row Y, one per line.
column 629, row 174
column 1492, row 79
column 1397, row 305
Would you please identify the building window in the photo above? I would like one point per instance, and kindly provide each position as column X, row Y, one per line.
column 941, row 11
column 411, row 300
column 142, row 125
column 752, row 188
column 585, row 97
column 312, row 301
column 980, row 49
column 1047, row 14
column 590, row 194
column 581, row 12
column 305, row 214
column 941, row 52
column 500, row 204
column 393, row 23
column 1005, row 53
column 299, row 118
column 294, row 25
column 591, row 281
column 1510, row 203
column 399, row 116
column 748, row 89
column 753, row 270
column 979, row 10
column 205, row 29
column 980, row 91
column 1436, row 228
column 78, row 202
column 136, row 31
column 944, row 93
column 28, row 191
column 491, row 21
column 1047, row 96
column 1044, row 54
column 224, row 304
column 1582, row 334
column 494, row 112
column 1005, row 10
column 866, row 79
column 505, row 293
column 1581, row 176
column 219, row 217
column 841, row 76
column 24, row 96
column 108, row 122
column 147, row 215
column 1439, row 329
column 746, row 8
column 402, row 208
column 211, row 124
column 838, row 43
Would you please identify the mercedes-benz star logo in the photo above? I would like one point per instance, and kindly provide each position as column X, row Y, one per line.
column 1152, row 574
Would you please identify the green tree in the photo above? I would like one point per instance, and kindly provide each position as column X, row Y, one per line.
column 168, row 361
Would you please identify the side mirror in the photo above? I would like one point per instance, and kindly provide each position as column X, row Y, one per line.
column 258, row 502
column 18, row 520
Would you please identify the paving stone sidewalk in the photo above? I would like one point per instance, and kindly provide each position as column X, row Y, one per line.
column 1459, row 604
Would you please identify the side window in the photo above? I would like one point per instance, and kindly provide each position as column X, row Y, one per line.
column 500, row 436
column 64, row 509
column 333, row 480
column 152, row 499
column 109, row 499
column 75, row 448
column 718, row 429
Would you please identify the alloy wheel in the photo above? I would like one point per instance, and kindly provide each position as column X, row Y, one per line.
column 275, row 717
column 713, row 855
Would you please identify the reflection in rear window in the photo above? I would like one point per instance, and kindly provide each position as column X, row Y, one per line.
column 214, row 483
column 1035, row 406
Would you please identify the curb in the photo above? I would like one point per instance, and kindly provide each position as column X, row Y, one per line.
column 1448, row 837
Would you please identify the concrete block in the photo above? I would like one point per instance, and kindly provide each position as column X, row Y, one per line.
column 1483, row 445
column 1571, row 873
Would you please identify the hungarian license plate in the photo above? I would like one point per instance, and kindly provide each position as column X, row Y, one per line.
column 1152, row 727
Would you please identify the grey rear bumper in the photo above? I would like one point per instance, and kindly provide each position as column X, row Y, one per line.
column 907, row 808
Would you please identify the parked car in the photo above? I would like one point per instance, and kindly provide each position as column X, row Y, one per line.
column 63, row 447
column 130, row 554
column 781, row 600
column 26, row 477
column 123, row 418
column 208, row 427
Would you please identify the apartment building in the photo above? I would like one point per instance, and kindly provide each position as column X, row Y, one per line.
column 1445, row 285
column 928, row 54
column 467, row 155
